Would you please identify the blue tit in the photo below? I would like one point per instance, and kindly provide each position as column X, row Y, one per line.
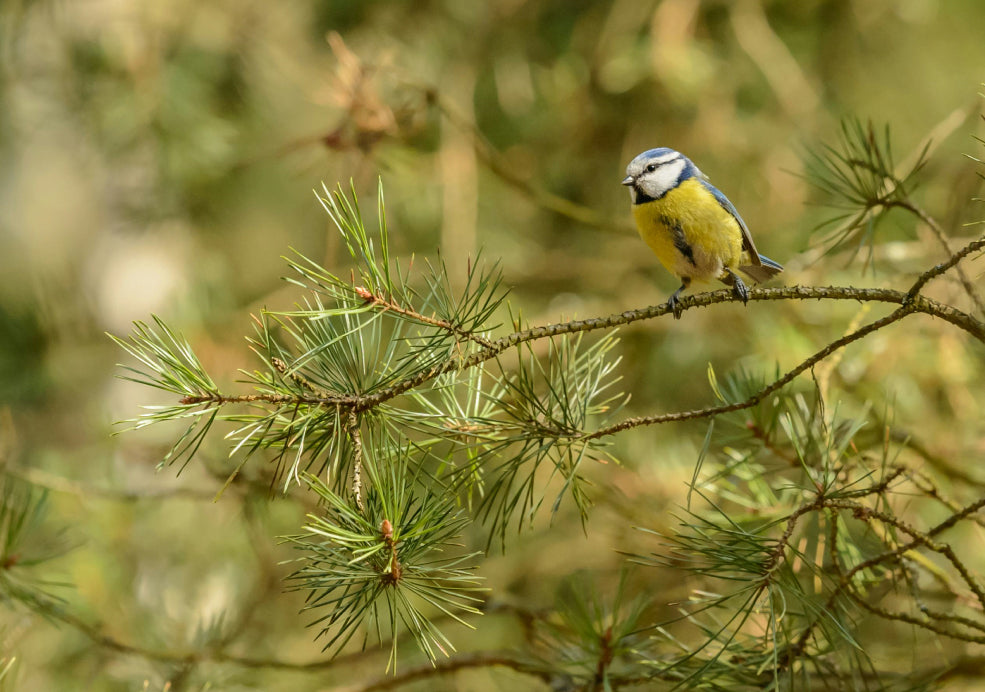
column 693, row 229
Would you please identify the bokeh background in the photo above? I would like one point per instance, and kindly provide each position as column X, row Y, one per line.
column 159, row 158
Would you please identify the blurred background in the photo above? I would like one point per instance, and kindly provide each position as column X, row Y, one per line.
column 159, row 159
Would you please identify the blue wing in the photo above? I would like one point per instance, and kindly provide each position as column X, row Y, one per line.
column 747, row 243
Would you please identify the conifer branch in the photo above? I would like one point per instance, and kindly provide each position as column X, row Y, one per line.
column 333, row 396
column 911, row 300
column 391, row 305
column 357, row 459
column 506, row 659
column 938, row 233
column 914, row 304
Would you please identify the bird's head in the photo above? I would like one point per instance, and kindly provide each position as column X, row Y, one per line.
column 655, row 172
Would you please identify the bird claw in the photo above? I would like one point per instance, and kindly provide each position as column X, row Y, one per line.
column 739, row 289
column 674, row 303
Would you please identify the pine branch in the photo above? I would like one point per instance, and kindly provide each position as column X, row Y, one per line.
column 27, row 545
column 393, row 389
column 918, row 539
column 390, row 305
column 859, row 174
column 462, row 662
column 911, row 301
column 920, row 304
column 388, row 562
column 952, row 255
column 915, row 304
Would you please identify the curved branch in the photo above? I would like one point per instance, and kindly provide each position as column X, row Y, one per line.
column 895, row 316
column 938, row 232
column 910, row 302
column 909, row 299
column 939, row 269
column 100, row 637
column 462, row 662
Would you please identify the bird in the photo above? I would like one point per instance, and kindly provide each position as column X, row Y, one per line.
column 691, row 226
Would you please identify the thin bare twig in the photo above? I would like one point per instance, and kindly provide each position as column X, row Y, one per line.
column 938, row 232
column 917, row 539
column 774, row 386
column 462, row 662
column 951, row 261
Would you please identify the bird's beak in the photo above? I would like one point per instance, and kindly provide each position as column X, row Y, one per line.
column 628, row 180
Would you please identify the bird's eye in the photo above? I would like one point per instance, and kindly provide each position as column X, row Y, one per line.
column 652, row 167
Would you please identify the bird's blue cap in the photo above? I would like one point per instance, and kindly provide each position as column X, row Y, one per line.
column 659, row 151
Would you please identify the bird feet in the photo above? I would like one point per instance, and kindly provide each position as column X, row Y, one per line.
column 739, row 289
column 674, row 302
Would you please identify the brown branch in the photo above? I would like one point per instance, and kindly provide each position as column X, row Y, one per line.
column 942, row 239
column 606, row 654
column 952, row 261
column 927, row 624
column 958, row 516
column 819, row 502
column 776, row 385
column 296, row 377
column 910, row 302
column 931, row 615
column 391, row 306
column 776, row 555
column 918, row 538
column 357, row 458
column 101, row 638
column 927, row 486
column 914, row 304
column 216, row 399
column 462, row 662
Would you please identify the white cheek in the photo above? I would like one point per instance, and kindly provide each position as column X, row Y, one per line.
column 657, row 183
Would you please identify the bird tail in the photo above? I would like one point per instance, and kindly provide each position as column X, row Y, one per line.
column 764, row 271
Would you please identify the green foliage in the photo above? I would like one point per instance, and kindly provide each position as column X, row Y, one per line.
column 595, row 638
column 27, row 545
column 544, row 410
column 389, row 562
column 379, row 381
column 793, row 534
column 171, row 366
column 858, row 175
column 833, row 493
column 386, row 396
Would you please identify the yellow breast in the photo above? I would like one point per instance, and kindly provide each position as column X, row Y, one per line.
column 690, row 217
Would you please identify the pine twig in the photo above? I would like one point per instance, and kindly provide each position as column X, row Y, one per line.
column 938, row 232
column 912, row 303
column 461, row 662
column 390, row 305
column 357, row 459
